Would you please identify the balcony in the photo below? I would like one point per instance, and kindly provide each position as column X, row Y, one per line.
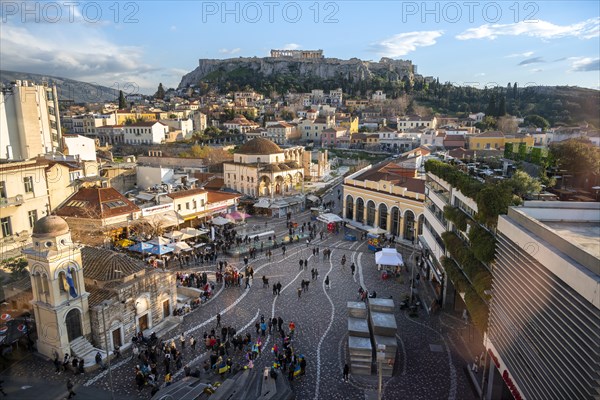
column 438, row 195
column 11, row 201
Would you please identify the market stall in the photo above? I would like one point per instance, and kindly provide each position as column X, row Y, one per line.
column 388, row 257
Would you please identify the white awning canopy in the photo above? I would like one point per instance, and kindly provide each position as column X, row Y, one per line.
column 388, row 256
column 166, row 219
column 329, row 217
column 220, row 221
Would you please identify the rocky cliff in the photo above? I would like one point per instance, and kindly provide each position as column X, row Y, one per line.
column 351, row 71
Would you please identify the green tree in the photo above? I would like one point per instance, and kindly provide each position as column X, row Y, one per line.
column 576, row 156
column 491, row 110
column 523, row 185
column 502, row 107
column 537, row 121
column 160, row 93
column 122, row 101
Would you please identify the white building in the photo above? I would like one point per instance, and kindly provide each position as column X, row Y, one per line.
column 281, row 132
column 81, row 146
column 416, row 122
column 262, row 168
column 152, row 132
column 477, row 117
column 379, row 95
column 186, row 126
column 29, row 121
column 544, row 320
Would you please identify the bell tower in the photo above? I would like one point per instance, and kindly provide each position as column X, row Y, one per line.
column 60, row 302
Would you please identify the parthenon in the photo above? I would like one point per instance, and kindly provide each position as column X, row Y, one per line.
column 297, row 53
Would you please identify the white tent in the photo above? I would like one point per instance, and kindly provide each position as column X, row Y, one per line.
column 175, row 235
column 329, row 217
column 377, row 231
column 159, row 241
column 388, row 256
column 180, row 246
column 220, row 221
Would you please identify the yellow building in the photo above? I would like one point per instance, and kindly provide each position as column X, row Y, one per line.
column 124, row 116
column 388, row 197
column 496, row 140
column 350, row 123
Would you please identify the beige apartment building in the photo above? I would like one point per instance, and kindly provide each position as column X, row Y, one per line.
column 29, row 121
column 23, row 200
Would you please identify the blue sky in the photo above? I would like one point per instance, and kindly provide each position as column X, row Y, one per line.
column 143, row 43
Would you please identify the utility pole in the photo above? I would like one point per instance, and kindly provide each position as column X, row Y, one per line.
column 380, row 361
column 112, row 390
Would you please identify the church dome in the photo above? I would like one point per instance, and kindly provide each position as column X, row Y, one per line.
column 259, row 146
column 50, row 225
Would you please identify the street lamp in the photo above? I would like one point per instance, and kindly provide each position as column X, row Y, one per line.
column 112, row 391
column 380, row 361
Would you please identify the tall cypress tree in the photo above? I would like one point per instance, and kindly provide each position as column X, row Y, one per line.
column 122, row 101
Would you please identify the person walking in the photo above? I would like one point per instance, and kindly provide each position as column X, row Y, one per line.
column 218, row 320
column 193, row 343
column 299, row 293
column 346, row 371
column 301, row 262
column 327, row 282
column 353, row 267
column 182, row 340
column 70, row 387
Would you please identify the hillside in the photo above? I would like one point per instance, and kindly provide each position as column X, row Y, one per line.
column 270, row 74
column 68, row 89
column 558, row 104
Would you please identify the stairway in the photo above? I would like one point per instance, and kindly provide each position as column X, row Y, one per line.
column 81, row 348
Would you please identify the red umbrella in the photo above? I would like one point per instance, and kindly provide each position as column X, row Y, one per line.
column 5, row 317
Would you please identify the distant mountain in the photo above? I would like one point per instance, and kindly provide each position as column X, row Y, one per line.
column 68, row 89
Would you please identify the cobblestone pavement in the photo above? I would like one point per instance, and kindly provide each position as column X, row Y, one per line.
column 432, row 349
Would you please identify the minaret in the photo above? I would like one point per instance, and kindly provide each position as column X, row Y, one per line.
column 60, row 302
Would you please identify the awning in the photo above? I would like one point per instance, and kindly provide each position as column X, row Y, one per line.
column 192, row 232
column 329, row 217
column 159, row 241
column 220, row 221
column 160, row 250
column 180, row 246
column 313, row 198
column 145, row 196
column 376, row 231
column 167, row 219
column 175, row 235
column 263, row 203
column 388, row 256
column 140, row 247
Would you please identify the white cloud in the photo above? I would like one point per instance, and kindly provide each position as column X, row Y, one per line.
column 536, row 70
column 584, row 64
column 291, row 46
column 526, row 54
column 230, row 51
column 480, row 74
column 76, row 52
column 404, row 43
column 587, row 29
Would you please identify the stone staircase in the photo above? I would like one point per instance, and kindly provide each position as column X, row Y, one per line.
column 81, row 348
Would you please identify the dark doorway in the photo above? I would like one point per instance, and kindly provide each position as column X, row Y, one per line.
column 73, row 322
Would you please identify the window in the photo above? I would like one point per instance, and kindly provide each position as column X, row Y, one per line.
column 195, row 205
column 178, row 207
column 32, row 216
column 2, row 190
column 201, row 202
column 28, row 182
column 187, row 205
column 6, row 226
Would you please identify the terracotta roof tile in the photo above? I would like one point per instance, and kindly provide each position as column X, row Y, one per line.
column 185, row 193
column 215, row 197
column 106, row 265
column 96, row 203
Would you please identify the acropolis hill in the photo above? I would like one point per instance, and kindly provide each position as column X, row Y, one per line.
column 303, row 63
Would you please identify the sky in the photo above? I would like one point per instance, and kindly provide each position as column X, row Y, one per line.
column 134, row 45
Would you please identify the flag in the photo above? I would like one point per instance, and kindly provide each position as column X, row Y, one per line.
column 72, row 289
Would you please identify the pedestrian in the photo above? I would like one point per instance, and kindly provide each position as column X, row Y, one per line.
column 278, row 288
column 247, row 282
column 299, row 293
column 182, row 340
column 346, row 371
column 70, row 387
column 193, row 343
column 218, row 320
column 327, row 282
column 352, row 267
column 99, row 360
column 305, row 264
column 301, row 262
column 270, row 325
column 81, row 366
column 75, row 364
column 168, row 379
column 57, row 363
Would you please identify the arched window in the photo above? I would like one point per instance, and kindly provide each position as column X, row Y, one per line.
column 62, row 282
column 349, row 207
column 360, row 210
column 371, row 213
column 383, row 214
column 395, row 221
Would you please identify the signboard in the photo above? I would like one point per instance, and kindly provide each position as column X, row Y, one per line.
column 159, row 209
